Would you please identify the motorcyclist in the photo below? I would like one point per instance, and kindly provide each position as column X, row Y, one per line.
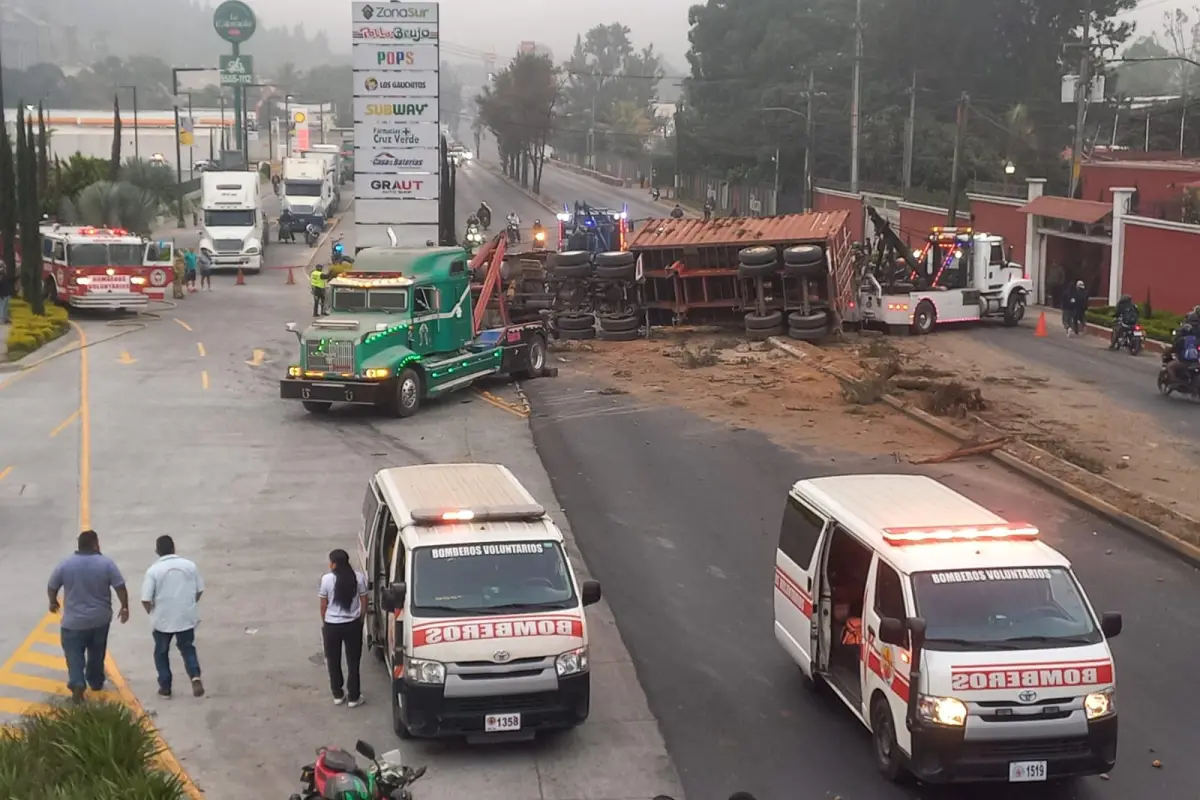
column 677, row 212
column 485, row 215
column 311, row 234
column 1125, row 317
column 514, row 225
column 472, row 220
column 286, row 234
column 539, row 231
column 1185, row 348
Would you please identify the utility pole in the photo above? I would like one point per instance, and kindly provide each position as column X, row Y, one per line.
column 776, row 180
column 1082, row 90
column 854, row 103
column 960, row 133
column 910, row 127
column 809, row 132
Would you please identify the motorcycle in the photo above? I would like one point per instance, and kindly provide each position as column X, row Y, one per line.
column 1128, row 337
column 336, row 771
column 311, row 235
column 1167, row 385
column 655, row 194
column 338, row 255
column 473, row 240
column 513, row 233
column 485, row 219
column 539, row 239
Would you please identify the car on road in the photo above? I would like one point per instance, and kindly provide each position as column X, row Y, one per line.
column 964, row 644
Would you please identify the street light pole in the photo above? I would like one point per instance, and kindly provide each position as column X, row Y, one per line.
column 857, row 96
column 178, row 149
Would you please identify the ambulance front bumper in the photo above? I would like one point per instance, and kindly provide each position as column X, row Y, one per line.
column 428, row 713
column 944, row 755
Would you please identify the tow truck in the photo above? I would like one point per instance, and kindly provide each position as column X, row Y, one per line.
column 405, row 326
column 592, row 230
column 958, row 275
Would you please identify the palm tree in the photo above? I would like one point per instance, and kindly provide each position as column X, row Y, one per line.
column 115, row 205
column 157, row 180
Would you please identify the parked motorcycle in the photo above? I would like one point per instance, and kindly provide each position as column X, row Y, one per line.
column 1168, row 385
column 336, row 775
column 1128, row 337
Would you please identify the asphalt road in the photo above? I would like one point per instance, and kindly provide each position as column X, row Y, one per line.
column 182, row 432
column 1123, row 378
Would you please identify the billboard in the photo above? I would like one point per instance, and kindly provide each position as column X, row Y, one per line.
column 389, row 84
column 369, row 55
column 375, row 211
column 392, row 161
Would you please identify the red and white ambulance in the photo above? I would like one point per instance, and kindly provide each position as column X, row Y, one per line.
column 965, row 644
column 103, row 268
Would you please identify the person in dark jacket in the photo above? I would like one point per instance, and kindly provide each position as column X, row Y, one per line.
column 1185, row 348
column 1125, row 316
column 1075, row 305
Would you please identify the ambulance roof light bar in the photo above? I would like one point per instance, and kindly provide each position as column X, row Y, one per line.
column 1007, row 532
column 442, row 516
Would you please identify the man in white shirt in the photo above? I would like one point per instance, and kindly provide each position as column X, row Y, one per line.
column 170, row 594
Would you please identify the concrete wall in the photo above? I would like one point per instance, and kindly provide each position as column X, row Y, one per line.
column 1162, row 259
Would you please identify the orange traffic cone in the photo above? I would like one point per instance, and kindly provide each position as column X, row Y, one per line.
column 291, row 281
column 241, row 279
column 1040, row 330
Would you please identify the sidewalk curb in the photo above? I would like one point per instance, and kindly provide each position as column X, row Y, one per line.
column 1187, row 550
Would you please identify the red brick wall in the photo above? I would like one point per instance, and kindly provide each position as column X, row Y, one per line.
column 1164, row 262
column 1155, row 186
column 833, row 202
column 1002, row 219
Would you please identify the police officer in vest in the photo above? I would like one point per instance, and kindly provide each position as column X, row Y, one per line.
column 318, row 283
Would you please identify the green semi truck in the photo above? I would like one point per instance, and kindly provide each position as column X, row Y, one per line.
column 401, row 329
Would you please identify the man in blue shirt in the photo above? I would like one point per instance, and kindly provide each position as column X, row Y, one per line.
column 87, row 580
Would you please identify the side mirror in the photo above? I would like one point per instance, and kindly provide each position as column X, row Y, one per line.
column 590, row 593
column 365, row 750
column 1111, row 624
column 891, row 631
column 393, row 597
column 291, row 327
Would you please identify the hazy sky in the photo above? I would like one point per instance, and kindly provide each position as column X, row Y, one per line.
column 500, row 25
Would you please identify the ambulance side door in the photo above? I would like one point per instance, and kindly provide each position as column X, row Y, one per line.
column 796, row 622
column 885, row 667
column 397, row 572
column 368, row 557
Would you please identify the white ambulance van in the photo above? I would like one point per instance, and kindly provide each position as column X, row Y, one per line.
column 965, row 645
column 473, row 605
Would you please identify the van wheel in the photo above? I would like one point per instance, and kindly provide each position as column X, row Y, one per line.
column 398, row 725
column 883, row 736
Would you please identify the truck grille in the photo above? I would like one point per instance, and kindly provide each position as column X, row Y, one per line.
column 228, row 245
column 329, row 356
column 302, row 209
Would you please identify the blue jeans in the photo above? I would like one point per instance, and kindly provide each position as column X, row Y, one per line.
column 4, row 318
column 186, row 642
column 84, row 650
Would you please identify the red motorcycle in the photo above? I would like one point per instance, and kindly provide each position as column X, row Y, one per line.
column 336, row 775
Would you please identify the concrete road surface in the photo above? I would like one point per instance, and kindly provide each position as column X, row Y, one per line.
column 177, row 428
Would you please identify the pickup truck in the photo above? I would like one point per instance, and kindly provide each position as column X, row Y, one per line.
column 401, row 331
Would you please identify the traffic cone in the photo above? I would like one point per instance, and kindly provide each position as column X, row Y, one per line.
column 241, row 279
column 1040, row 330
column 291, row 281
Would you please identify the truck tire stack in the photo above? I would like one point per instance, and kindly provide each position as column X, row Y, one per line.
column 760, row 263
column 806, row 262
column 576, row 325
column 572, row 265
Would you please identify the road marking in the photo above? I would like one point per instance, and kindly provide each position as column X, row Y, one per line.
column 62, row 426
column 503, row 405
column 182, row 324
column 126, row 358
column 204, row 379
column 200, row 347
column 4, row 472
column 257, row 360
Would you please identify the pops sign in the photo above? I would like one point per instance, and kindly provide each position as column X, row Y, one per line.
column 396, row 59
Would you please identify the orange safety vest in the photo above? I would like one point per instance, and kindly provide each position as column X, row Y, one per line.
column 852, row 631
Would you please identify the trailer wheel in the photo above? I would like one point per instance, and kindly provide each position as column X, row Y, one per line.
column 620, row 324
column 803, row 255
column 924, row 318
column 621, row 336
column 576, row 322
column 818, row 320
column 572, row 258
column 760, row 254
column 577, row 335
column 619, row 272
column 768, row 321
column 1014, row 312
column 408, row 394
column 614, row 258
column 316, row 406
column 764, row 270
column 535, row 359
column 806, row 334
column 813, row 270
column 574, row 271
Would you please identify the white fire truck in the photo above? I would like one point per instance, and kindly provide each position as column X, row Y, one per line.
column 103, row 268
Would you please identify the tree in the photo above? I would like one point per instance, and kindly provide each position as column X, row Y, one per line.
column 71, row 177
column 114, row 164
column 43, row 155
column 116, row 205
column 1183, row 34
column 8, row 196
column 519, row 108
column 1153, row 79
column 30, row 213
column 450, row 97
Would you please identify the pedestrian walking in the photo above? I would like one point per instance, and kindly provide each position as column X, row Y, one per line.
column 171, row 596
column 179, row 266
column 318, row 283
column 6, row 290
column 206, row 268
column 189, row 270
column 343, row 594
column 87, row 580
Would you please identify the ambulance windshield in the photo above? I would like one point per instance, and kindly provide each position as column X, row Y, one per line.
column 491, row 578
column 1003, row 609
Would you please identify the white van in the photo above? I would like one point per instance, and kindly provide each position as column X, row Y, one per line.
column 473, row 606
column 966, row 645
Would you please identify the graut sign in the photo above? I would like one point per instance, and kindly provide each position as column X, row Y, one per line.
column 397, row 186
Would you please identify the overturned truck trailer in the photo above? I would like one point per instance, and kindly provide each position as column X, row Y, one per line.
column 768, row 274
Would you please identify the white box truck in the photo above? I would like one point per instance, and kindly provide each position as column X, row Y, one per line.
column 332, row 155
column 307, row 192
column 235, row 227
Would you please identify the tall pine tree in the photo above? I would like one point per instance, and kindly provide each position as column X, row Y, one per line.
column 33, row 210
column 8, row 194
column 114, row 166
column 43, row 155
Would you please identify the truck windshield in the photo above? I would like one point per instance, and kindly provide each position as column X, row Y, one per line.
column 302, row 188
column 390, row 300
column 1003, row 609
column 106, row 255
column 229, row 218
column 493, row 578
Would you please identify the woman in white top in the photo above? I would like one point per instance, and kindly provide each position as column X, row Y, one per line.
column 343, row 596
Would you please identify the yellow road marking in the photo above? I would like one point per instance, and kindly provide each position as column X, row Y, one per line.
column 182, row 324
column 35, row 684
column 257, row 360
column 200, row 347
column 503, row 405
column 4, row 472
column 44, row 660
column 62, row 426
column 10, row 705
column 204, row 379
column 126, row 358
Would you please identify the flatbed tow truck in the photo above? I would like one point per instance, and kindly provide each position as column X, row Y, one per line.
column 406, row 325
column 958, row 275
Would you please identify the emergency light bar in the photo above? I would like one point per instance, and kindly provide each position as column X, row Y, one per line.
column 441, row 516
column 1008, row 531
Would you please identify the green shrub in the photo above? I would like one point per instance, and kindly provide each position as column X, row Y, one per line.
column 92, row 751
column 1158, row 325
column 30, row 331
